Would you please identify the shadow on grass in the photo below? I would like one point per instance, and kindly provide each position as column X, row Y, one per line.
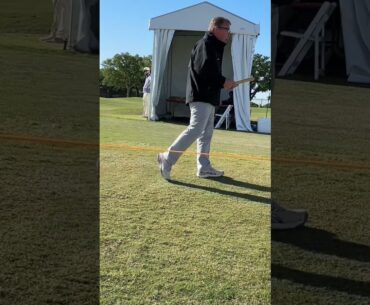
column 323, row 242
column 231, row 181
column 352, row 287
column 254, row 198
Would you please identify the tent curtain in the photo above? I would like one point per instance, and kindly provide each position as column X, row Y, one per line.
column 61, row 20
column 77, row 22
column 242, row 66
column 83, row 34
column 356, row 27
column 161, row 46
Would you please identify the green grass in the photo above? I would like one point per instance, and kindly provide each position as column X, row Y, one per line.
column 26, row 17
column 36, row 81
column 133, row 111
column 49, row 212
column 193, row 241
column 328, row 261
column 257, row 113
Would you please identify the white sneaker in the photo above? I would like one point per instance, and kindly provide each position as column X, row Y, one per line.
column 210, row 173
column 284, row 219
column 164, row 167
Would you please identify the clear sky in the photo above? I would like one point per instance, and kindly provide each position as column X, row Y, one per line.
column 124, row 24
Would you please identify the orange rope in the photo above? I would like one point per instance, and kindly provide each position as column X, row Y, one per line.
column 284, row 160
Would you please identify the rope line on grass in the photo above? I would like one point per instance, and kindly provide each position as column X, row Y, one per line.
column 282, row 160
column 189, row 153
column 62, row 142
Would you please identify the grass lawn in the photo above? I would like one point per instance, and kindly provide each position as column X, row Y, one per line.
column 22, row 16
column 327, row 262
column 133, row 111
column 257, row 113
column 192, row 241
column 49, row 193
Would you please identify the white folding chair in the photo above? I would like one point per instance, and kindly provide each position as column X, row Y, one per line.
column 314, row 34
column 225, row 116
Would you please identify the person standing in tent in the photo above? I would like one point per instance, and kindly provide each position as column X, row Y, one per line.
column 146, row 92
column 204, row 84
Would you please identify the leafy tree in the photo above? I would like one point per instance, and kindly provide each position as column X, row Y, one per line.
column 123, row 71
column 101, row 77
column 261, row 71
column 146, row 61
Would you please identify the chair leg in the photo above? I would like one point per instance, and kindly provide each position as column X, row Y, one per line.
column 317, row 57
column 322, row 68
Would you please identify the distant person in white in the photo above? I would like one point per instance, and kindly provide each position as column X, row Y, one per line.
column 146, row 92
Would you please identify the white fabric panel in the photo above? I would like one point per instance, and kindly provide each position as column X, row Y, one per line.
column 85, row 38
column 227, row 70
column 81, row 37
column 73, row 21
column 197, row 17
column 242, row 50
column 161, row 45
column 356, row 28
column 61, row 21
column 76, row 16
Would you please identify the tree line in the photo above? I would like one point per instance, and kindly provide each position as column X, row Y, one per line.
column 123, row 75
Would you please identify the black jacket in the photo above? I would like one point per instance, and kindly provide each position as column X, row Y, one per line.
column 205, row 80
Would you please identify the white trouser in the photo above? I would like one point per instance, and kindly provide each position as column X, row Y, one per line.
column 200, row 129
column 146, row 101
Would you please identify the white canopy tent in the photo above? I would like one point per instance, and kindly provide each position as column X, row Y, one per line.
column 175, row 34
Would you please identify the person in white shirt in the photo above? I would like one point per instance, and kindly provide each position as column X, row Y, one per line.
column 146, row 92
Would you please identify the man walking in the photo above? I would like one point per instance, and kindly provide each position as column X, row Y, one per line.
column 204, row 84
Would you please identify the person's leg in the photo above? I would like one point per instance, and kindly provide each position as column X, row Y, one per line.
column 199, row 114
column 144, row 102
column 204, row 142
column 149, row 96
column 146, row 98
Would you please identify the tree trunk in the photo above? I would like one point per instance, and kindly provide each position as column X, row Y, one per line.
column 128, row 91
column 137, row 91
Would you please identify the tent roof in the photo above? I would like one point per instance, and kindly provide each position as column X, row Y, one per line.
column 197, row 17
